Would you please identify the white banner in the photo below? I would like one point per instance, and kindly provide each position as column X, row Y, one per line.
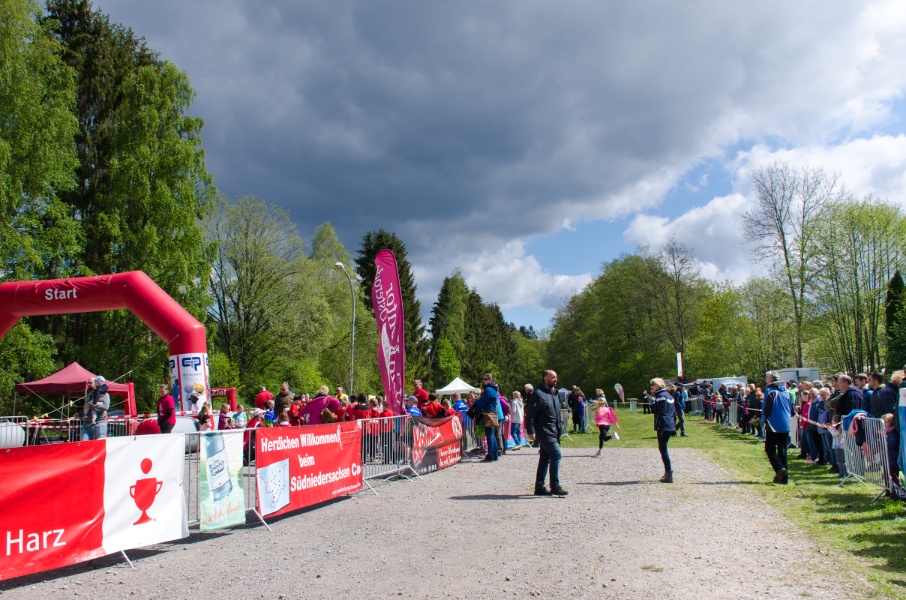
column 144, row 502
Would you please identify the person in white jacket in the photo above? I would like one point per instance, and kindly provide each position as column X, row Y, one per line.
column 517, row 415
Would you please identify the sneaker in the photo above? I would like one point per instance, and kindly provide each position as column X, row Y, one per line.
column 667, row 478
column 558, row 491
column 809, row 462
column 616, row 435
column 598, row 453
column 542, row 491
column 487, row 459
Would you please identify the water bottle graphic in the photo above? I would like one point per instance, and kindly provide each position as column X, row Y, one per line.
column 219, row 482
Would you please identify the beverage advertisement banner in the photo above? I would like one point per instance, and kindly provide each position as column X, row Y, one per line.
column 303, row 466
column 221, row 496
column 436, row 443
column 68, row 503
column 388, row 312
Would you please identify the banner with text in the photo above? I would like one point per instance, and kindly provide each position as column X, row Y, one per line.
column 388, row 312
column 222, row 500
column 436, row 443
column 302, row 466
column 68, row 503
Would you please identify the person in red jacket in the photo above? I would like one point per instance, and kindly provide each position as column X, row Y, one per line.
column 433, row 409
column 449, row 411
column 262, row 398
column 385, row 427
column 360, row 410
column 420, row 393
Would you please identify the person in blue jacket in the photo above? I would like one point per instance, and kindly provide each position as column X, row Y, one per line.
column 776, row 410
column 489, row 401
column 664, row 422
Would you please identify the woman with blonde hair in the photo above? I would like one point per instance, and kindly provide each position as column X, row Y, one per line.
column 664, row 423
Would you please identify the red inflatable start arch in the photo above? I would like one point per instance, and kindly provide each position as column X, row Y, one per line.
column 134, row 291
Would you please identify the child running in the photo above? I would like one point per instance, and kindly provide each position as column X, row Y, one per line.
column 604, row 418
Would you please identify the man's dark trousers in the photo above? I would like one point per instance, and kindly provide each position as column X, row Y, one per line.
column 775, row 445
column 548, row 459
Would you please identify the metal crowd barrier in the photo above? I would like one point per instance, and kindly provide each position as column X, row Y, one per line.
column 386, row 446
column 192, row 473
column 867, row 462
column 734, row 414
column 694, row 404
column 13, row 431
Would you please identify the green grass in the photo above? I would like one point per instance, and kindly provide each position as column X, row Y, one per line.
column 869, row 538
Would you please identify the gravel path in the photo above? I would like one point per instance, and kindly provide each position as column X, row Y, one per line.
column 475, row 531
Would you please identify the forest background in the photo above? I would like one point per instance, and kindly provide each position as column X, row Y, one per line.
column 102, row 170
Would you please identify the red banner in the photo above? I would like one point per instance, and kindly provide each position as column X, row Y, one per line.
column 388, row 312
column 302, row 466
column 68, row 503
column 436, row 443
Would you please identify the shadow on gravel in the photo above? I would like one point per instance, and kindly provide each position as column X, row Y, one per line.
column 496, row 497
column 615, row 483
column 727, row 482
column 111, row 561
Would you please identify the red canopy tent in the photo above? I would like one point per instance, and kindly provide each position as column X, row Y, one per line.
column 72, row 380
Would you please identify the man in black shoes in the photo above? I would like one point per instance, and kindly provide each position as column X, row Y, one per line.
column 543, row 426
column 776, row 410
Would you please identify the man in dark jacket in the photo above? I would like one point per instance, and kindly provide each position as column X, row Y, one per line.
column 850, row 400
column 884, row 399
column 543, row 425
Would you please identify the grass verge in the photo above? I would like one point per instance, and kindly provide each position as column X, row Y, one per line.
column 842, row 520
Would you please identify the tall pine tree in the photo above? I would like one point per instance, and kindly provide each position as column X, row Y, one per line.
column 141, row 191
column 896, row 323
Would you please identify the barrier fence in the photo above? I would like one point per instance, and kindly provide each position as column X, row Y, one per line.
column 386, row 446
column 867, row 461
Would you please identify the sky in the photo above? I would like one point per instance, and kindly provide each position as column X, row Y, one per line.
column 528, row 143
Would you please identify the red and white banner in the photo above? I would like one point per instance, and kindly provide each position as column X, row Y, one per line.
column 387, row 301
column 436, row 443
column 302, row 466
column 68, row 503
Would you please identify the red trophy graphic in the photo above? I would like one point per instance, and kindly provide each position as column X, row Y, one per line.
column 144, row 492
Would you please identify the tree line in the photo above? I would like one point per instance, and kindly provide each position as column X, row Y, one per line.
column 832, row 297
column 102, row 170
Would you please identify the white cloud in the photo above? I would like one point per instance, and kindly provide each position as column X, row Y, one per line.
column 510, row 120
column 503, row 274
column 714, row 232
column 874, row 165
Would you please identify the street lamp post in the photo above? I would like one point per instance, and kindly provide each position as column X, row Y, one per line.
column 341, row 267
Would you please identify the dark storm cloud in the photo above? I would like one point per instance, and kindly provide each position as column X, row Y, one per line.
column 506, row 119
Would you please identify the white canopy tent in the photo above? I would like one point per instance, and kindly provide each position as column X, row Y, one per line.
column 457, row 386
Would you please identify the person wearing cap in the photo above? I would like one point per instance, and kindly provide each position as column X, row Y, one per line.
column 776, row 410
column 412, row 406
column 166, row 410
column 94, row 411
